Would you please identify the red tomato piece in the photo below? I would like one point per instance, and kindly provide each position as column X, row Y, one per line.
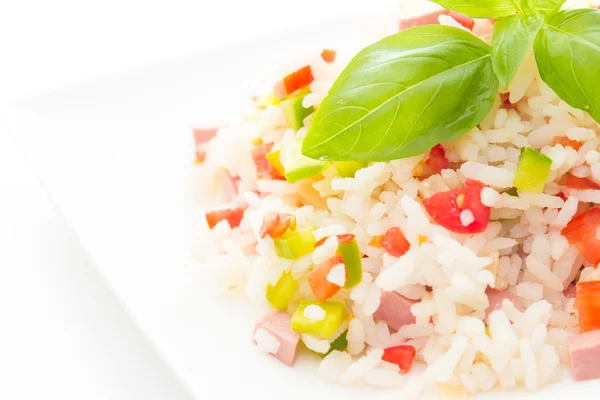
column 320, row 286
column 341, row 239
column 581, row 232
column 294, row 81
column 232, row 215
column 394, row 242
column 445, row 208
column 201, row 138
column 402, row 356
column 566, row 142
column 328, row 55
column 277, row 224
column 437, row 159
column 462, row 19
column 574, row 182
column 587, row 302
column 264, row 169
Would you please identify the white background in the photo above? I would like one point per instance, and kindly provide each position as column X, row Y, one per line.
column 63, row 335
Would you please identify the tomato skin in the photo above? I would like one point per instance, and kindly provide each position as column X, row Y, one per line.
column 264, row 169
column 444, row 208
column 328, row 55
column 294, row 81
column 320, row 286
column 587, row 302
column 232, row 215
column 277, row 224
column 574, row 182
column 394, row 242
column 581, row 232
column 566, row 142
column 437, row 159
column 402, row 356
column 462, row 19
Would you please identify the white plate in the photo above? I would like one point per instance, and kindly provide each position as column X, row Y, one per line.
column 115, row 156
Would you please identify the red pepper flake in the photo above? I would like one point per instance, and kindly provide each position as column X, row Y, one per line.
column 277, row 224
column 402, row 356
column 566, row 142
column 394, row 242
column 232, row 215
column 293, row 82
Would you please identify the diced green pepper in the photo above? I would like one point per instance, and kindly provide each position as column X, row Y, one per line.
column 353, row 261
column 335, row 314
column 340, row 343
column 347, row 169
column 297, row 166
column 532, row 171
column 281, row 294
column 294, row 244
column 294, row 111
column 274, row 158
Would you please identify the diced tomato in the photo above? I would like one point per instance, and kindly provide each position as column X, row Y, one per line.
column 341, row 239
column 277, row 224
column 437, row 160
column 462, row 19
column 587, row 302
column 264, row 169
column 232, row 215
column 294, row 81
column 446, row 207
column 201, row 138
column 402, row 356
column 394, row 242
column 574, row 182
column 581, row 232
column 320, row 286
column 566, row 142
column 328, row 55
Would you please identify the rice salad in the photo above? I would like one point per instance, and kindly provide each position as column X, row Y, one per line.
column 469, row 266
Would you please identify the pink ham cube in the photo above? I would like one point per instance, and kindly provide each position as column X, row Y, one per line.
column 584, row 352
column 279, row 326
column 496, row 297
column 394, row 310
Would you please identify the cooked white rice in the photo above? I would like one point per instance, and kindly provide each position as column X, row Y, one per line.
column 522, row 250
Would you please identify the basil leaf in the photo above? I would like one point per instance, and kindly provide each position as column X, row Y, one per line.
column 545, row 7
column 513, row 37
column 403, row 95
column 567, row 51
column 483, row 8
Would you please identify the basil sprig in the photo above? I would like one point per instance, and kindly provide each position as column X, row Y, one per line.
column 403, row 95
column 410, row 91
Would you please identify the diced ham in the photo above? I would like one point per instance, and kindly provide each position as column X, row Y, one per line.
column 496, row 297
column 394, row 310
column 432, row 18
column 279, row 325
column 201, row 138
column 584, row 353
column 570, row 291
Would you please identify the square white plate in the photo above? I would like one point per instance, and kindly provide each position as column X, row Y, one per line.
column 115, row 156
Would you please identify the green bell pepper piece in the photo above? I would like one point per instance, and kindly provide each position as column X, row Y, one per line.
column 340, row 343
column 281, row 294
column 353, row 261
column 347, row 169
column 297, row 166
column 294, row 111
column 532, row 171
column 295, row 244
column 335, row 314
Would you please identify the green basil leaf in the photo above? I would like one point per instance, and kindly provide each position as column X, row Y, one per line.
column 403, row 95
column 545, row 7
column 567, row 51
column 513, row 37
column 483, row 8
